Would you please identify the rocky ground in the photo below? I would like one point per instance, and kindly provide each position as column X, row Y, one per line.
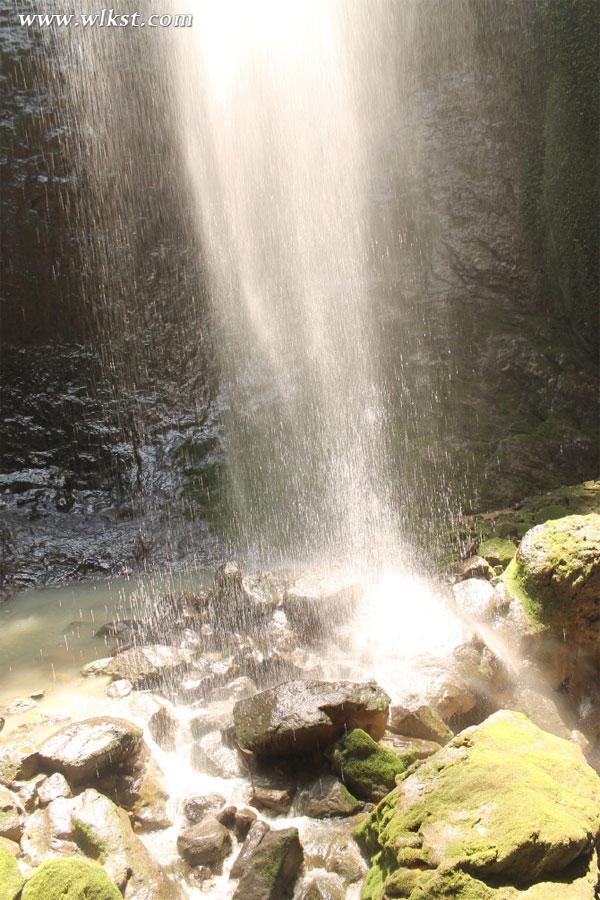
column 477, row 780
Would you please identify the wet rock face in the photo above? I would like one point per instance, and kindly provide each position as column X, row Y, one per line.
column 302, row 716
column 502, row 800
column 272, row 868
column 84, row 750
column 421, row 722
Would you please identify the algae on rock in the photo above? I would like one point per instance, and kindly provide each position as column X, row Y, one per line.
column 70, row 879
column 503, row 801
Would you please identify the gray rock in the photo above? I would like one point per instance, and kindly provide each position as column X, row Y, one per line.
column 243, row 822
column 422, row 722
column 323, row 887
column 149, row 667
column 401, row 743
column 119, row 689
column 19, row 761
column 82, row 751
column 272, row 869
column 206, row 843
column 326, row 798
column 314, row 602
column 12, row 815
column 163, row 728
column 197, row 808
column 96, row 667
column 238, row 689
column 210, row 755
column 52, row 788
column 102, row 831
column 302, row 716
column 255, row 835
column 477, row 599
column 276, row 800
column 474, row 567
column 215, row 716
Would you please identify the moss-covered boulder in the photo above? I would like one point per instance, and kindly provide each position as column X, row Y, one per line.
column 11, row 880
column 271, row 869
column 503, row 803
column 368, row 769
column 554, row 585
column 497, row 551
column 70, row 879
column 556, row 571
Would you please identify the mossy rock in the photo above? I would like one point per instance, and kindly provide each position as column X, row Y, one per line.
column 369, row 770
column 503, row 802
column 497, row 551
column 557, row 569
column 11, row 880
column 70, row 879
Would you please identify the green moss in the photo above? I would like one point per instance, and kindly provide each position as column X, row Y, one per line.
column 70, row 879
column 553, row 561
column 446, row 884
column 494, row 789
column 11, row 880
column 498, row 551
column 368, row 769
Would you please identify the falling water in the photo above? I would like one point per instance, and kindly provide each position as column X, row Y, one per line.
column 278, row 144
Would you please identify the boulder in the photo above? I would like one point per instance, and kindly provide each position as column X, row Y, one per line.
column 497, row 551
column 163, row 728
column 91, row 825
column 322, row 887
column 477, row 599
column 197, row 808
column 243, row 821
column 119, row 689
column 367, row 769
column 19, row 761
column 215, row 716
column 255, row 835
column 554, row 583
column 52, row 788
column 504, row 802
column 422, row 722
column 314, row 602
column 12, row 815
column 401, row 743
column 326, row 798
column 302, row 716
column 70, row 878
column 474, row 567
column 207, row 843
column 149, row 667
column 84, row 750
column 11, row 880
column 236, row 603
column 271, row 871
column 210, row 755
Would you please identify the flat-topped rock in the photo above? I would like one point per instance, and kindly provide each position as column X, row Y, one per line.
column 314, row 602
column 148, row 667
column 84, row 750
column 302, row 716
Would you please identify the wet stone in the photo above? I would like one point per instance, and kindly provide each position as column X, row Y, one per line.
column 206, row 843
column 163, row 728
column 119, row 689
column 255, row 835
column 84, row 750
column 272, row 870
column 52, row 788
column 197, row 808
column 12, row 815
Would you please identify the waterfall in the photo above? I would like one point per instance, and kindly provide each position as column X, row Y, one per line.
column 279, row 132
